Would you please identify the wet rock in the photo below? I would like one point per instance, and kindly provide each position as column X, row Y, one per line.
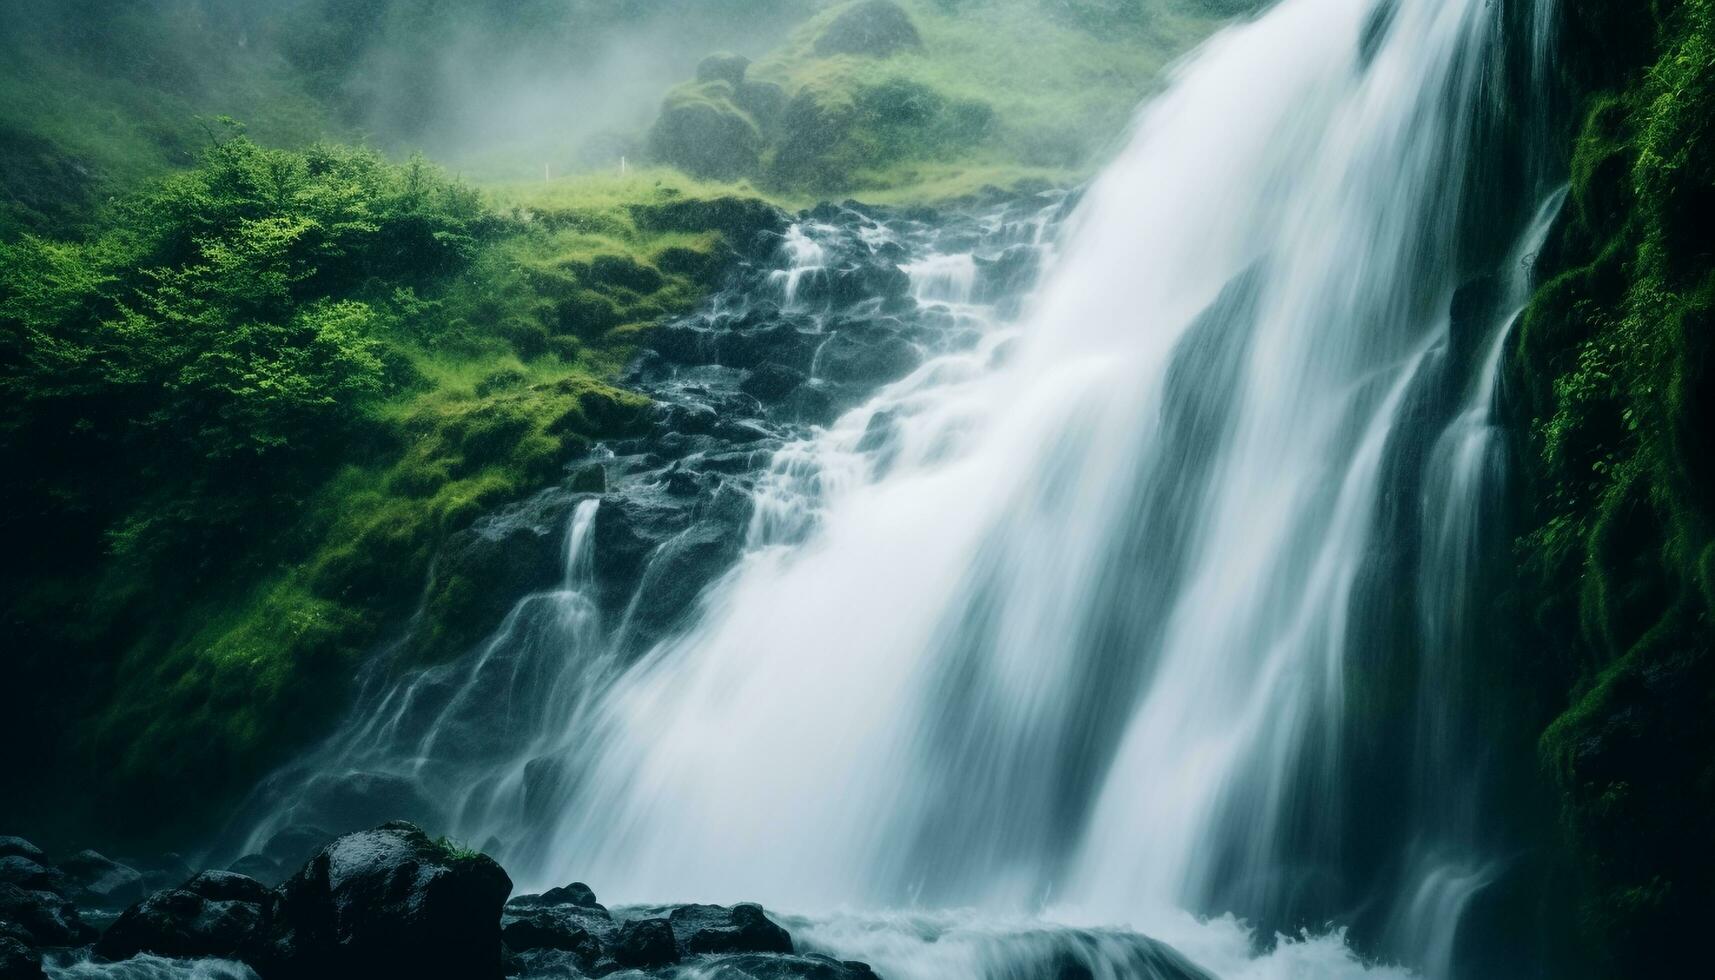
column 47, row 917
column 216, row 913
column 480, row 572
column 19, row 847
column 810, row 966
column 772, row 381
column 701, row 929
column 30, row 875
column 257, row 866
column 101, row 882
column 387, row 902
column 723, row 67
column 577, row 894
column 875, row 28
column 849, row 360
column 18, row 961
column 678, row 573
column 645, row 944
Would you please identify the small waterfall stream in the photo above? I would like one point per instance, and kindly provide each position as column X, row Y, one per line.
column 1040, row 632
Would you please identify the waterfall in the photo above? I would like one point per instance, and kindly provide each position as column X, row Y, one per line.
column 1082, row 641
column 1061, row 628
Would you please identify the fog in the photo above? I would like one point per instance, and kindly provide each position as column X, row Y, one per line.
column 499, row 87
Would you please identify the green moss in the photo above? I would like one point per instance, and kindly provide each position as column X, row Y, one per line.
column 1614, row 359
column 331, row 365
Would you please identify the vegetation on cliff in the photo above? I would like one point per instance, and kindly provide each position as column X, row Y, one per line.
column 1612, row 369
column 241, row 415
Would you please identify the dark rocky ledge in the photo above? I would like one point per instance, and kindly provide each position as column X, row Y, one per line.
column 388, row 902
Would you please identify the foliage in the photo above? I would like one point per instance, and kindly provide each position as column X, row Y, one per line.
column 1614, row 362
column 239, row 420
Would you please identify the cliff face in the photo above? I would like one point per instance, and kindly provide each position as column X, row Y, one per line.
column 1612, row 411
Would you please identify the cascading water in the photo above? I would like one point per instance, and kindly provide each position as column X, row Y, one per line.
column 1062, row 624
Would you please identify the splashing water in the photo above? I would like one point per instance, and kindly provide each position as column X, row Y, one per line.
column 1059, row 628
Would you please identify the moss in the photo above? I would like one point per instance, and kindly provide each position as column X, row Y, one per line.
column 1613, row 362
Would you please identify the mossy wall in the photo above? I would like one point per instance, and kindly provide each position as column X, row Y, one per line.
column 1609, row 385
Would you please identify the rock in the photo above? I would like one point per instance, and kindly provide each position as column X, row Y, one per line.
column 387, row 902
column 291, row 847
column 479, row 574
column 216, row 913
column 588, row 478
column 702, row 132
column 30, row 875
column 103, row 883
column 875, row 28
column 18, row 961
column 751, row 226
column 701, row 929
column 259, row 867
column 771, row 382
column 48, row 917
column 577, row 893
column 763, row 100
column 810, row 132
column 19, row 847
column 723, row 67
column 805, row 967
column 849, row 360
column 646, row 944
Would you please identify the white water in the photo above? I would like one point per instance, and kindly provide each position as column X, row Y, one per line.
column 1079, row 646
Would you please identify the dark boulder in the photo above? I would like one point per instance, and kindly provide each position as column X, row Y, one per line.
column 850, row 360
column 645, row 944
column 771, row 382
column 723, row 67
column 705, row 929
column 577, row 893
column 18, row 961
column 19, row 847
column 216, row 913
column 31, row 875
column 101, row 882
column 387, row 902
column 875, row 28
column 47, row 917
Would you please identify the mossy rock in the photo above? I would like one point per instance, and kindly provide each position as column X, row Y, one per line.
column 744, row 222
column 870, row 28
column 723, row 67
column 704, row 133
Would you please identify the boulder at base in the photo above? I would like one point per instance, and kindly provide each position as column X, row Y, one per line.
column 216, row 913
column 100, row 882
column 18, row 961
column 387, row 902
column 46, row 917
